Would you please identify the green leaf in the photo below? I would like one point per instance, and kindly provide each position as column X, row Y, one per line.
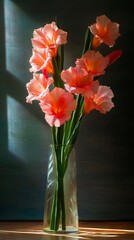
column 87, row 42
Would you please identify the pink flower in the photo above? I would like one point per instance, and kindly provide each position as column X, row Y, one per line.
column 49, row 37
column 78, row 81
column 58, row 106
column 38, row 87
column 101, row 101
column 93, row 62
column 40, row 61
column 104, row 31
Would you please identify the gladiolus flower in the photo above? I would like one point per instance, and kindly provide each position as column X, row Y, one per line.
column 38, row 87
column 49, row 37
column 93, row 62
column 104, row 31
column 58, row 106
column 78, row 81
column 101, row 101
column 40, row 61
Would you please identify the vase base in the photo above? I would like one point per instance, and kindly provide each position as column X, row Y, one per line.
column 60, row 231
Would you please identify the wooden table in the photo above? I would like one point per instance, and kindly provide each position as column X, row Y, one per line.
column 87, row 230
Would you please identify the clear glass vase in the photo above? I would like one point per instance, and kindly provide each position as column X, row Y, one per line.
column 61, row 211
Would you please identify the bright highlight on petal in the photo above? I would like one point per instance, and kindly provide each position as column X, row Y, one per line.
column 40, row 61
column 58, row 106
column 38, row 87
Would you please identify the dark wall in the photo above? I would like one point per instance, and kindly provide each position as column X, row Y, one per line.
column 105, row 145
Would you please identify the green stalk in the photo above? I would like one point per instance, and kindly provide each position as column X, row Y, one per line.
column 60, row 194
column 57, row 79
column 60, row 58
column 87, row 42
column 53, row 212
column 74, row 122
column 58, row 207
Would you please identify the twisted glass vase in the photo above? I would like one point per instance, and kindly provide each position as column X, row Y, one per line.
column 61, row 211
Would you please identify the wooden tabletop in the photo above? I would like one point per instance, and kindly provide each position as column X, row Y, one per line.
column 87, row 230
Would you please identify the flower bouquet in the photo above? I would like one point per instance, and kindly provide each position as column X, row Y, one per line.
column 66, row 96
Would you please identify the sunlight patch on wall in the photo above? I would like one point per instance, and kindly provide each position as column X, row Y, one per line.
column 18, row 35
column 28, row 138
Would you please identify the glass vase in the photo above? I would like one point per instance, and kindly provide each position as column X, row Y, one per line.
column 61, row 211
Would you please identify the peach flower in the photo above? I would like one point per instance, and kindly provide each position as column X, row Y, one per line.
column 58, row 106
column 78, row 81
column 101, row 101
column 38, row 87
column 49, row 37
column 104, row 31
column 41, row 60
column 93, row 62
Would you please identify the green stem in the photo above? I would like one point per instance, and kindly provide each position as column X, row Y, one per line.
column 57, row 79
column 74, row 122
column 60, row 197
column 53, row 212
column 58, row 207
column 87, row 42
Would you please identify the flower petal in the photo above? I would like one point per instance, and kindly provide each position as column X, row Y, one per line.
column 93, row 62
column 101, row 101
column 57, row 106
